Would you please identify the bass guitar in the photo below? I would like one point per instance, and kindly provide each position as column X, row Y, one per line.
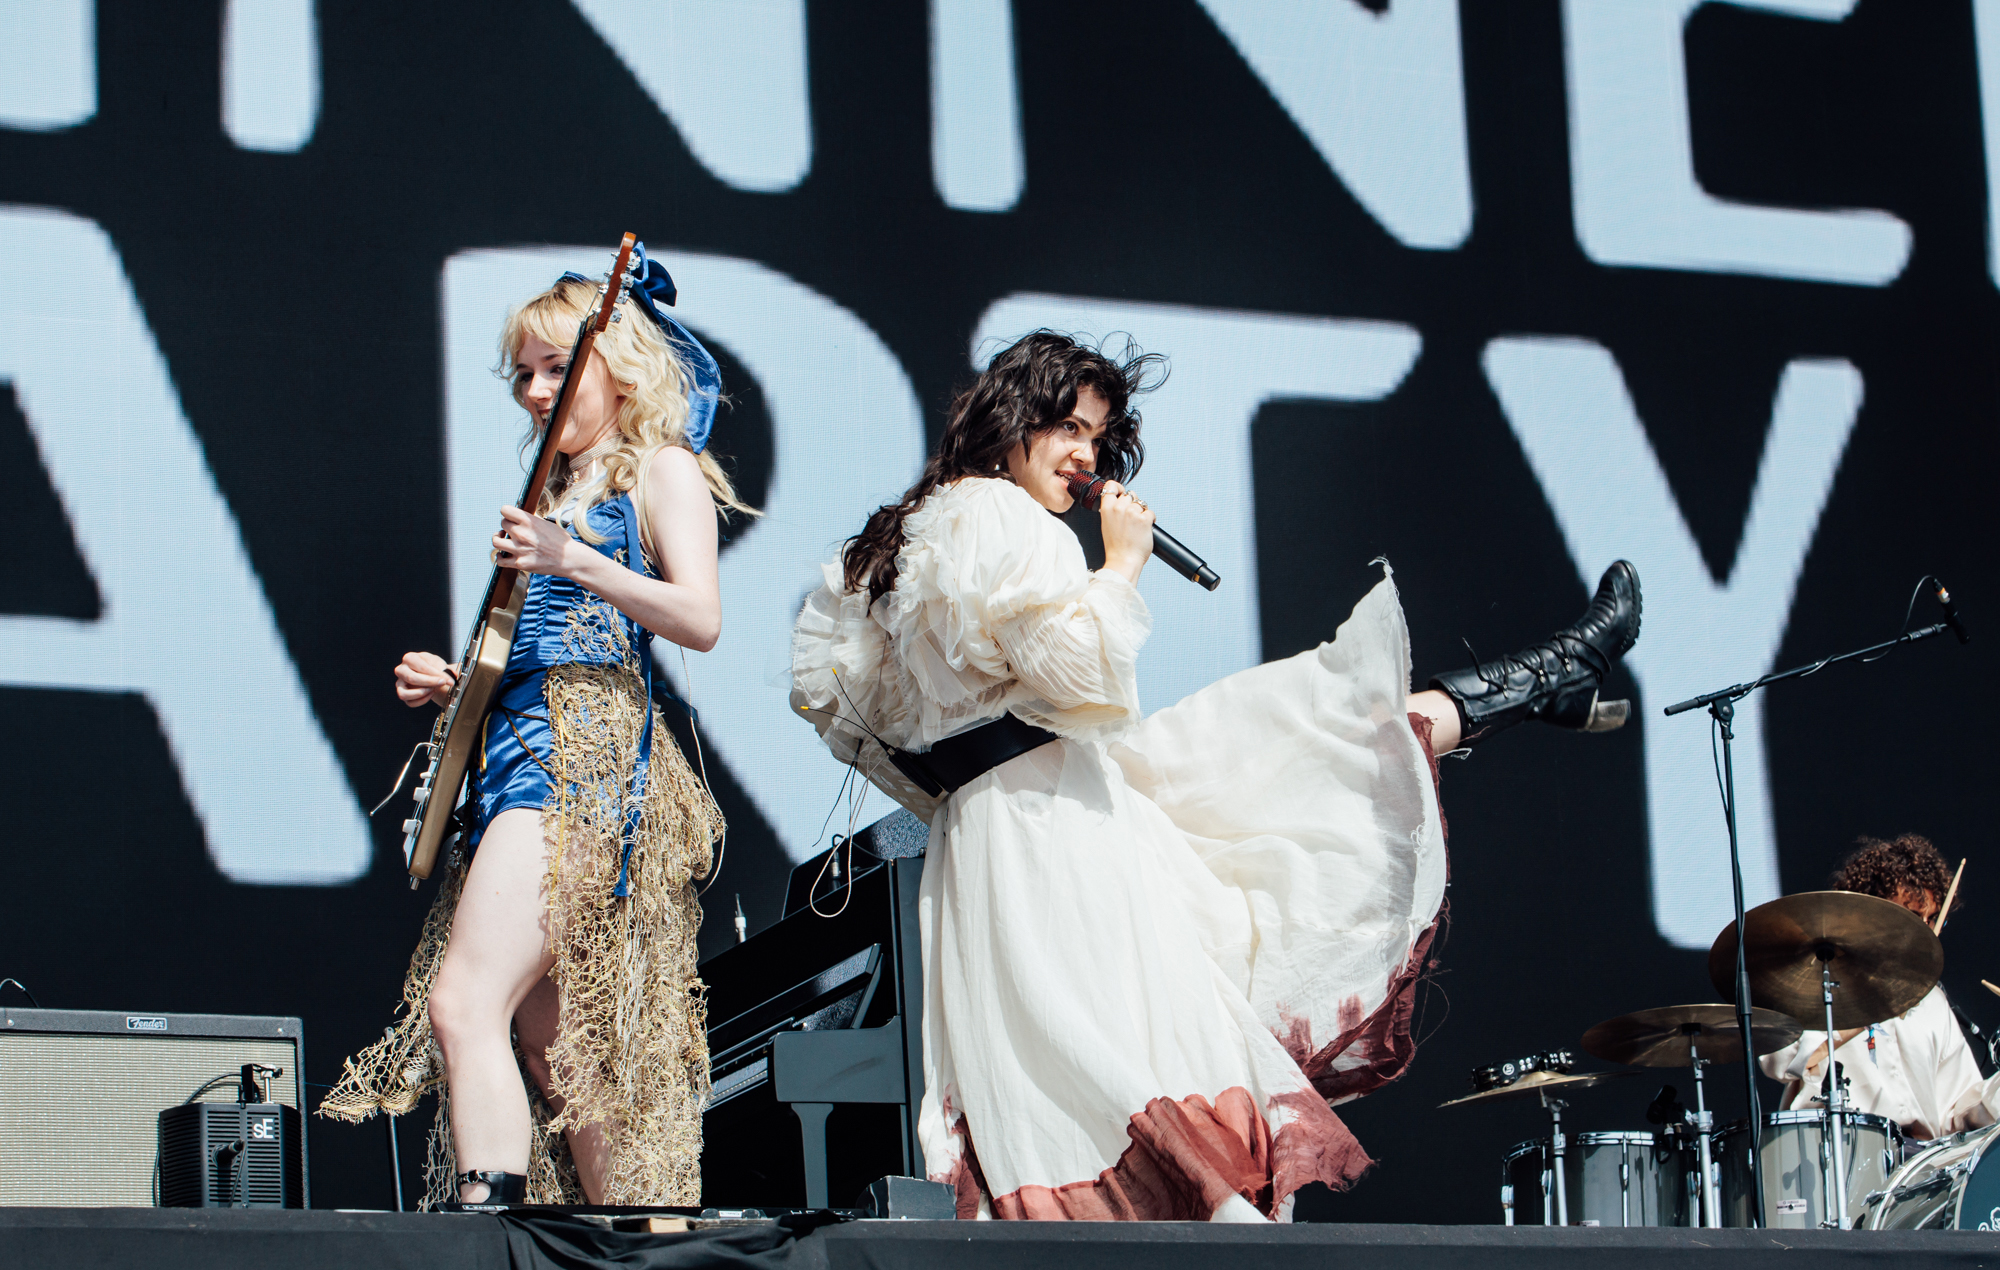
column 492, row 640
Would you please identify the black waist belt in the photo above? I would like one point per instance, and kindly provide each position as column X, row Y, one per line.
column 957, row 761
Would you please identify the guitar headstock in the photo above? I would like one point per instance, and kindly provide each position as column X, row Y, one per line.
column 616, row 285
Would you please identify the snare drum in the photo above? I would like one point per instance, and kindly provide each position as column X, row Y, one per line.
column 1795, row 1167
column 1614, row 1179
column 1950, row 1184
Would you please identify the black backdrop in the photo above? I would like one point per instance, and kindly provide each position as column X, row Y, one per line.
column 295, row 299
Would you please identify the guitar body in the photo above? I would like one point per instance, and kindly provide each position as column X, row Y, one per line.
column 463, row 722
column 458, row 732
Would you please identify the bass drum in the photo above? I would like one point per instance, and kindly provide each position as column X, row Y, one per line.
column 1950, row 1184
column 1795, row 1168
column 1615, row 1179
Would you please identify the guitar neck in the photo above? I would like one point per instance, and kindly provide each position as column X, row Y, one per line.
column 500, row 589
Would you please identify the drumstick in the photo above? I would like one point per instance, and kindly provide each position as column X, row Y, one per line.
column 1995, row 990
column 1937, row 927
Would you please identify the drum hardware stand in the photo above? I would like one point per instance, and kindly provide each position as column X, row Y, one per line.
column 1557, row 1147
column 1721, row 706
column 1704, row 1128
column 1836, row 1102
column 1625, row 1184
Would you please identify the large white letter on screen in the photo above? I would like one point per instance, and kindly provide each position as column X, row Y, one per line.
column 975, row 105
column 1986, row 23
column 849, row 437
column 1631, row 150
column 270, row 73
column 272, row 799
column 1197, row 472
column 48, row 63
column 1381, row 96
column 729, row 74
column 1567, row 403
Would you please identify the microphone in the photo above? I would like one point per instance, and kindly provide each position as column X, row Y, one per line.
column 1088, row 488
column 1951, row 614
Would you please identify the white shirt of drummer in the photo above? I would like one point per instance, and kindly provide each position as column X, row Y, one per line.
column 1918, row 1072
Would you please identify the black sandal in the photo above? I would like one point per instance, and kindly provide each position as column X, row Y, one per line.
column 501, row 1188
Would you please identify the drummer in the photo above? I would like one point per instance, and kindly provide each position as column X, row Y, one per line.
column 1915, row 1069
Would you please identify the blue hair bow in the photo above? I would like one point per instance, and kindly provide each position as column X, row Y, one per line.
column 653, row 291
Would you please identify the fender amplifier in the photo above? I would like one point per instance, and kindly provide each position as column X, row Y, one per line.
column 81, row 1092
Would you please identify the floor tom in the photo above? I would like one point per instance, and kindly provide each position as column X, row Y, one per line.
column 1795, row 1151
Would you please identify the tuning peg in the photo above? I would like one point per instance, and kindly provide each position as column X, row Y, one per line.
column 616, row 316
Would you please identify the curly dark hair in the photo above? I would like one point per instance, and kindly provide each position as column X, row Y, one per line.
column 1906, row 862
column 1030, row 387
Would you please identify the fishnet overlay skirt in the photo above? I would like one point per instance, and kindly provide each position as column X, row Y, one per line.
column 631, row 1050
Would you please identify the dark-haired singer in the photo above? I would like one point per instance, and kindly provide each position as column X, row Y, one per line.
column 1157, row 950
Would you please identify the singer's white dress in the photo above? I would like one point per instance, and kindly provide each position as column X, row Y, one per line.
column 1154, row 952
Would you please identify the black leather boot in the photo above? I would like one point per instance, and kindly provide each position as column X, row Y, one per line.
column 1556, row 680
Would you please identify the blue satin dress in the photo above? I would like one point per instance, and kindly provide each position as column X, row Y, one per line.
column 513, row 767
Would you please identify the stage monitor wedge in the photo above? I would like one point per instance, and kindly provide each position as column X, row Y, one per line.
column 81, row 1092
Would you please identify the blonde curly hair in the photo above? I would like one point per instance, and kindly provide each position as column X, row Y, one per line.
column 657, row 385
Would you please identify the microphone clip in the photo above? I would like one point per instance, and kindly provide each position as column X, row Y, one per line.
column 1951, row 613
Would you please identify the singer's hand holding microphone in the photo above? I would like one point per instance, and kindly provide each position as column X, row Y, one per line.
column 1130, row 534
column 1128, row 530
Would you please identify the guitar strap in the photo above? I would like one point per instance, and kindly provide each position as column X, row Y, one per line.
column 635, row 559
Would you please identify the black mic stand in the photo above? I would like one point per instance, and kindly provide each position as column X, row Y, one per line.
column 1722, row 706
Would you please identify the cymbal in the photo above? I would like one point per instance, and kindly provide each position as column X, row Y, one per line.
column 1884, row 958
column 1660, row 1038
column 1535, row 1082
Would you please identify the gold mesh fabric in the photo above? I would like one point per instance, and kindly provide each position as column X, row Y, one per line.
column 396, row 1071
column 631, row 1048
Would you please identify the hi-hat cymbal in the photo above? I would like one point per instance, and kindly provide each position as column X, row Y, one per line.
column 1884, row 958
column 1663, row 1037
column 1534, row 1083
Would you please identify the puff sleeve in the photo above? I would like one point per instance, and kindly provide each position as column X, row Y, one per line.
column 994, row 590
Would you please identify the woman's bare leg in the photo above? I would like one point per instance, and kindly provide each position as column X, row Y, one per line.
column 535, row 1027
column 497, row 954
column 1442, row 711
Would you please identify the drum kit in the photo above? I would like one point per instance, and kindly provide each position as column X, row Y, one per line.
column 1837, row 958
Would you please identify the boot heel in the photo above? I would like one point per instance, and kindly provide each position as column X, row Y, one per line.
column 1608, row 716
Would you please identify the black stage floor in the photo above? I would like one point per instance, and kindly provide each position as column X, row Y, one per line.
column 50, row 1238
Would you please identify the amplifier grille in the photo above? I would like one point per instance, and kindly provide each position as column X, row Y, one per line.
column 79, row 1114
